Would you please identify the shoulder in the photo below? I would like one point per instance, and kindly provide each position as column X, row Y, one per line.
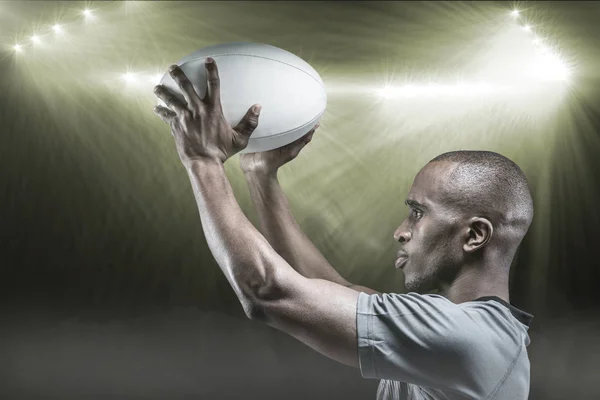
column 497, row 323
column 403, row 303
column 432, row 342
column 465, row 325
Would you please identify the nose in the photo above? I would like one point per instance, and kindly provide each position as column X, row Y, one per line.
column 401, row 235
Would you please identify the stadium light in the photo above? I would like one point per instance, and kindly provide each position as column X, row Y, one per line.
column 129, row 77
column 438, row 89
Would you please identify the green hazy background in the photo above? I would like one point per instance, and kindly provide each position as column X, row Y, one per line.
column 109, row 288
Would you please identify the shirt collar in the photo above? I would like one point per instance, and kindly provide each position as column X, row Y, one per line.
column 522, row 316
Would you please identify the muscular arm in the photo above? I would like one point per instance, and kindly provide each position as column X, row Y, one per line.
column 321, row 314
column 278, row 226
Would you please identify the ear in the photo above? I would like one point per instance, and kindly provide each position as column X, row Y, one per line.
column 479, row 233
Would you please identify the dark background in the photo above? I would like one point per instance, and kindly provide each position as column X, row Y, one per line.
column 108, row 287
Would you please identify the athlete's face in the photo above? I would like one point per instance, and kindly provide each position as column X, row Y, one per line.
column 430, row 243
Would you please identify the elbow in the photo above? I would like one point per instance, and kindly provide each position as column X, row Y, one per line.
column 260, row 289
column 255, row 312
column 256, row 306
column 249, row 297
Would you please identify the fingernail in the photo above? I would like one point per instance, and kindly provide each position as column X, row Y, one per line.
column 172, row 68
column 209, row 60
column 256, row 109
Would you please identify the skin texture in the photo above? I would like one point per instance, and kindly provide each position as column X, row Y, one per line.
column 320, row 313
column 318, row 309
column 272, row 160
column 276, row 221
column 448, row 248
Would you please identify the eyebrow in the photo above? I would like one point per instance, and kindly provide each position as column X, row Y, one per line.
column 413, row 203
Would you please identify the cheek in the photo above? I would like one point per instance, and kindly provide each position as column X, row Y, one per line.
column 425, row 234
column 434, row 240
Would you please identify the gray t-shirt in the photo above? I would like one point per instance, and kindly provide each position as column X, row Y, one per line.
column 425, row 347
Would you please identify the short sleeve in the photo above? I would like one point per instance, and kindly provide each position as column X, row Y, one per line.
column 429, row 341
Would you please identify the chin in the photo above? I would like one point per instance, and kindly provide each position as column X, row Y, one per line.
column 412, row 285
column 417, row 284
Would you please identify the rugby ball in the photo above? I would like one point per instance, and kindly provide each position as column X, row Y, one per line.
column 291, row 92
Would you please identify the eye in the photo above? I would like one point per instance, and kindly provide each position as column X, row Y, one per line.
column 418, row 214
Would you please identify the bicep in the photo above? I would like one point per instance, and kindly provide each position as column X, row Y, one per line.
column 319, row 313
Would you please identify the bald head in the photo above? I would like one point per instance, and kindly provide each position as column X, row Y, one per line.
column 489, row 185
column 469, row 211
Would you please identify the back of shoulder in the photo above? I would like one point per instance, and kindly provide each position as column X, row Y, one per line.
column 429, row 341
column 493, row 341
column 473, row 329
column 496, row 322
column 473, row 318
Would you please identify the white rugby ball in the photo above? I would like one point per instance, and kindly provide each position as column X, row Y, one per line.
column 291, row 92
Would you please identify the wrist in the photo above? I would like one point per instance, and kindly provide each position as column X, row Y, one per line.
column 203, row 166
column 260, row 173
column 202, row 161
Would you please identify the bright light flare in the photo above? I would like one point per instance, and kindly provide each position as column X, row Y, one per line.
column 57, row 28
column 18, row 48
column 515, row 13
column 140, row 79
column 88, row 15
column 548, row 65
column 386, row 92
column 36, row 39
column 527, row 28
column 155, row 79
column 129, row 77
column 438, row 89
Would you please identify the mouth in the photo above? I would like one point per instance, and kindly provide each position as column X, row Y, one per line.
column 400, row 253
column 400, row 261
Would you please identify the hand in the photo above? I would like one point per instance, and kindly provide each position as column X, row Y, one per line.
column 271, row 160
column 199, row 127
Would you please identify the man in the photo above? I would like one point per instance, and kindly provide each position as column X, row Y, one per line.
column 469, row 212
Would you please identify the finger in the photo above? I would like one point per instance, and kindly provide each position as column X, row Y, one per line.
column 308, row 137
column 310, row 133
column 165, row 114
column 302, row 140
column 213, row 90
column 187, row 89
column 249, row 122
column 170, row 99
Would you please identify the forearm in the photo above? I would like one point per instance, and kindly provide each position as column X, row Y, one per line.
column 243, row 254
column 279, row 227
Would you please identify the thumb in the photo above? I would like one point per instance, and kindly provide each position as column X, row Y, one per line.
column 249, row 122
column 310, row 134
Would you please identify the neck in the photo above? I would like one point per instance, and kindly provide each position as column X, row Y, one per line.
column 473, row 282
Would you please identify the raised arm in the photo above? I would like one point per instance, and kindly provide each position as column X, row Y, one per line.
column 321, row 314
column 277, row 224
